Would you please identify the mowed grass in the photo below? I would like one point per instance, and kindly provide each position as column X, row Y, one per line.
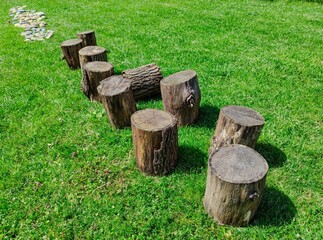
column 66, row 174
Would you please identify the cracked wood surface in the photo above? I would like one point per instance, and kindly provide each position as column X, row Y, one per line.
column 155, row 139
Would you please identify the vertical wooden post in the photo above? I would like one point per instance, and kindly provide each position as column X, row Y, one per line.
column 235, row 183
column 88, row 38
column 117, row 98
column 93, row 74
column 155, row 138
column 237, row 125
column 181, row 96
column 70, row 49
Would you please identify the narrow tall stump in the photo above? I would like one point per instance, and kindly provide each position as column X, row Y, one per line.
column 70, row 49
column 117, row 98
column 88, row 38
column 93, row 74
column 235, row 183
column 237, row 125
column 155, row 138
column 144, row 80
column 91, row 54
column 181, row 96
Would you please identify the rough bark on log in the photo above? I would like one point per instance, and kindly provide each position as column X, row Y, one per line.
column 155, row 139
column 237, row 125
column 145, row 80
column 91, row 54
column 70, row 49
column 181, row 96
column 235, row 183
column 88, row 38
column 93, row 74
column 117, row 98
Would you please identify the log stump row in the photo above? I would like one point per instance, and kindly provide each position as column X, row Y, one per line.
column 93, row 74
column 155, row 140
column 237, row 125
column 91, row 54
column 235, row 183
column 117, row 98
column 70, row 49
column 181, row 96
column 88, row 38
column 145, row 80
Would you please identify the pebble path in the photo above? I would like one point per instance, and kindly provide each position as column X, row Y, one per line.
column 32, row 22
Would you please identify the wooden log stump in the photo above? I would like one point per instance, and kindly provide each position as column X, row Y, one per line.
column 91, row 54
column 70, row 49
column 155, row 139
column 93, row 74
column 88, row 38
column 235, row 183
column 117, row 98
column 237, row 125
column 181, row 96
column 145, row 80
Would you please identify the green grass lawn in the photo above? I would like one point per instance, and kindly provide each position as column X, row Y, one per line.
column 65, row 173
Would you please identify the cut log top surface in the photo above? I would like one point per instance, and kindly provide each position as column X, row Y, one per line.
column 152, row 120
column 85, row 32
column 98, row 66
column 238, row 164
column 113, row 85
column 71, row 42
column 243, row 115
column 91, row 50
column 179, row 77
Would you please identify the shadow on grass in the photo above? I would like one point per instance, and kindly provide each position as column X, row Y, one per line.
column 275, row 209
column 208, row 116
column 191, row 159
column 273, row 155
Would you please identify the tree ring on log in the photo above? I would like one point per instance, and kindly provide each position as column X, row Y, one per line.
column 152, row 120
column 91, row 54
column 113, row 85
column 238, row 164
column 243, row 115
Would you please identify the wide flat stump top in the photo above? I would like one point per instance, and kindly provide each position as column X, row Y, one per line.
column 243, row 115
column 113, row 85
column 179, row 77
column 152, row 120
column 238, row 164
column 71, row 42
column 91, row 50
column 98, row 66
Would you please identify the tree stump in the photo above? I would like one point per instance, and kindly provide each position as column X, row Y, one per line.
column 88, row 38
column 70, row 49
column 93, row 74
column 117, row 98
column 155, row 138
column 235, row 183
column 237, row 125
column 181, row 96
column 145, row 80
column 91, row 54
